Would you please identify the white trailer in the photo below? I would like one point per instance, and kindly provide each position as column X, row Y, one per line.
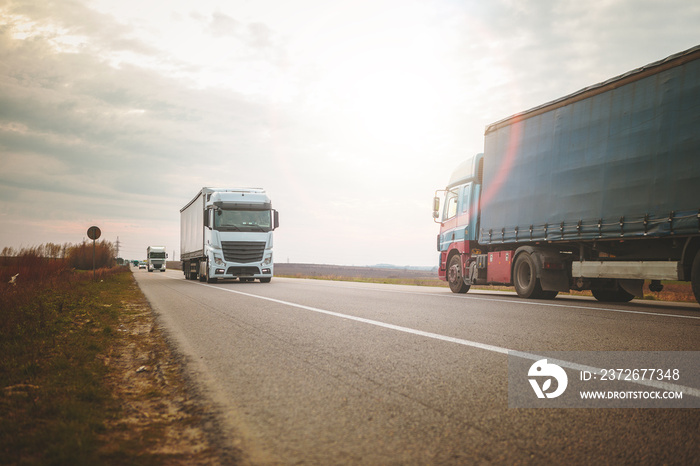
column 156, row 256
column 227, row 233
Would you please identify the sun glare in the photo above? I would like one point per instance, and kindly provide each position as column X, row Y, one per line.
column 395, row 104
column 391, row 95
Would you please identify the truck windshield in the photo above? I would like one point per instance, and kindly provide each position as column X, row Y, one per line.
column 157, row 255
column 242, row 220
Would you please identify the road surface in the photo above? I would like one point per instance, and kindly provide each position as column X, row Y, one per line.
column 322, row 372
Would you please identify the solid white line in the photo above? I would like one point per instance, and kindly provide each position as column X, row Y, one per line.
column 436, row 336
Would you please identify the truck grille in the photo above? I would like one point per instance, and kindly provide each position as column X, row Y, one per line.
column 243, row 271
column 243, row 251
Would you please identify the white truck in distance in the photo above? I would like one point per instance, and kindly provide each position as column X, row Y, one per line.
column 156, row 256
column 227, row 233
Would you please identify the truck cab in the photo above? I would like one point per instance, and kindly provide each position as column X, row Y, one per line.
column 156, row 257
column 459, row 221
column 236, row 239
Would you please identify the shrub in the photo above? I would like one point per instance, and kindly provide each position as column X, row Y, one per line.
column 80, row 256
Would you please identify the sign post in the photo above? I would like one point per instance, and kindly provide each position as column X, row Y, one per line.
column 93, row 233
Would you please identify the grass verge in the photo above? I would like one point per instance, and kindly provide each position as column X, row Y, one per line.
column 87, row 378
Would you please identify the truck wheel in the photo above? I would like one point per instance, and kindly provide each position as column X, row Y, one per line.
column 527, row 285
column 202, row 276
column 612, row 296
column 266, row 280
column 455, row 277
column 695, row 277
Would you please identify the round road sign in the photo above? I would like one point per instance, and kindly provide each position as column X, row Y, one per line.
column 94, row 233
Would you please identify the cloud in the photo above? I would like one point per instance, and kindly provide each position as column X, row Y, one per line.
column 350, row 113
column 222, row 25
column 81, row 133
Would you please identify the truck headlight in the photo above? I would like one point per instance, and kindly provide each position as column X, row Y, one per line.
column 218, row 260
column 268, row 260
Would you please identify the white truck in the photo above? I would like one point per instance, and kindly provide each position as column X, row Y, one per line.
column 227, row 233
column 156, row 256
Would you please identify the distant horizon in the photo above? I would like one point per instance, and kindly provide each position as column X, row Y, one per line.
column 20, row 249
column 377, row 266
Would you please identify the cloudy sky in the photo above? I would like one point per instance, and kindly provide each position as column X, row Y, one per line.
column 351, row 113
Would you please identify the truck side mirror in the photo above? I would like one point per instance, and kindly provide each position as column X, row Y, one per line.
column 436, row 207
column 276, row 223
column 206, row 218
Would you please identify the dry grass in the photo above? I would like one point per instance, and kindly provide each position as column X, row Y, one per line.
column 71, row 391
column 53, row 399
column 673, row 291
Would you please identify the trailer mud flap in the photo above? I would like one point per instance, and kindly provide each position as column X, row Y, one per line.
column 554, row 280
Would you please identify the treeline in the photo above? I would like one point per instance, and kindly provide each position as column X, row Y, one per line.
column 38, row 262
column 47, row 250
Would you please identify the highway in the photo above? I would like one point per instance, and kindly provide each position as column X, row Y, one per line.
column 323, row 372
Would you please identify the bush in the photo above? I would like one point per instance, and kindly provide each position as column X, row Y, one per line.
column 34, row 282
column 48, row 261
column 80, row 256
column 31, row 264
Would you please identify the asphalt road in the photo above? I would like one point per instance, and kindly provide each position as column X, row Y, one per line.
column 321, row 372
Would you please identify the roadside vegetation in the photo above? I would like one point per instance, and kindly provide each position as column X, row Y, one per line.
column 85, row 375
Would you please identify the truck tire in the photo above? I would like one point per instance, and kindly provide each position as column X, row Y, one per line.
column 527, row 285
column 612, row 295
column 695, row 277
column 202, row 276
column 266, row 280
column 455, row 277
